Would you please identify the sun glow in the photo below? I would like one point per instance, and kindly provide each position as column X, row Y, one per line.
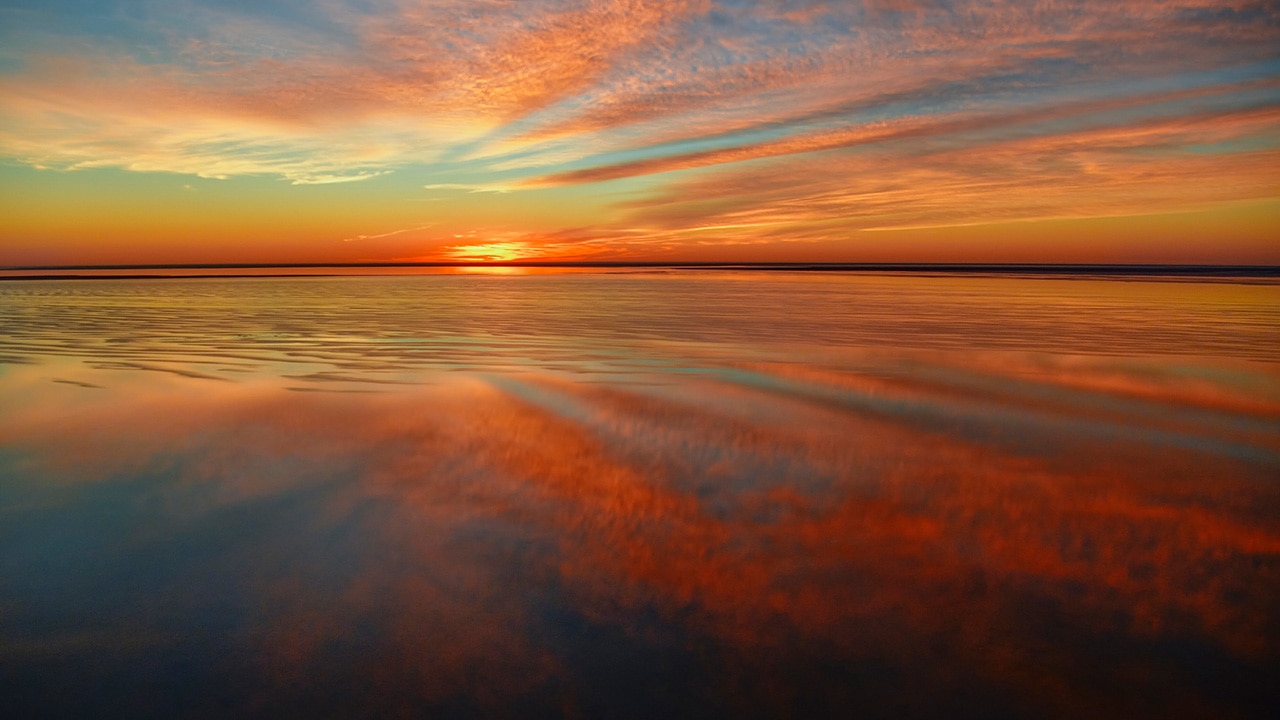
column 492, row 252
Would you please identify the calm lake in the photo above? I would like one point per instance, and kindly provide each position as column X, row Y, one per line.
column 640, row 494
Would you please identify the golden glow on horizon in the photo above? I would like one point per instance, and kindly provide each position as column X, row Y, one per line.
column 491, row 252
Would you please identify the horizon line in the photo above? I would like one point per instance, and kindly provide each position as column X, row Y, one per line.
column 1207, row 269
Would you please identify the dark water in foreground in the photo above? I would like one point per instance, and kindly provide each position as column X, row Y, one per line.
column 640, row 495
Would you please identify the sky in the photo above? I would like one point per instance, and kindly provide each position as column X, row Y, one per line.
column 203, row 131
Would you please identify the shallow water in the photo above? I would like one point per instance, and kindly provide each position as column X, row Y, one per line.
column 640, row 495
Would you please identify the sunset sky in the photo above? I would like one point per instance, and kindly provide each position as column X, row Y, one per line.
column 192, row 131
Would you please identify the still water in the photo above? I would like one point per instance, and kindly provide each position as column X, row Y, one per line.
column 679, row 494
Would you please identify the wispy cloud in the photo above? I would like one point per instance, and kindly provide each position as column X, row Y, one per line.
column 468, row 187
column 1092, row 172
column 391, row 233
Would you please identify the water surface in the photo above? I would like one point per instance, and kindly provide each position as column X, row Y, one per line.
column 640, row 494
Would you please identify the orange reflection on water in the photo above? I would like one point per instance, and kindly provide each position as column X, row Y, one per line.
column 569, row 495
column 512, row 538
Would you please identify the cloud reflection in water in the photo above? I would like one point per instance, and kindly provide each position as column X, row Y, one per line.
column 616, row 521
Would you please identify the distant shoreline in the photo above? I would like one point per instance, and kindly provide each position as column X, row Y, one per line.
column 229, row 270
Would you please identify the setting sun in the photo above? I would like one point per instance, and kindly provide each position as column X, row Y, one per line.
column 491, row 252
